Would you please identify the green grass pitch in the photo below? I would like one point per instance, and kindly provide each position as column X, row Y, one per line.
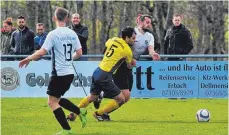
column 32, row 116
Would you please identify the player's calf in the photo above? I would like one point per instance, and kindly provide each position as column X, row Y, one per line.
column 97, row 102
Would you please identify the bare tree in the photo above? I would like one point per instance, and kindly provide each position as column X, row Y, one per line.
column 122, row 16
column 6, row 8
column 205, row 19
column 50, row 15
column 31, row 14
column 94, row 15
column 169, row 15
column 111, row 19
column 80, row 8
column 218, row 28
column 104, row 26
column 160, row 22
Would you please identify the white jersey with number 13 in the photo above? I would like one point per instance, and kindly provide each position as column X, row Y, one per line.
column 62, row 42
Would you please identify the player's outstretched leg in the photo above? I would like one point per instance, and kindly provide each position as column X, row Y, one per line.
column 67, row 104
column 106, row 116
column 59, row 114
column 112, row 105
column 83, row 104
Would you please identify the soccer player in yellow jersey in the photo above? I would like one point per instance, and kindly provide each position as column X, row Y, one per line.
column 117, row 51
column 123, row 77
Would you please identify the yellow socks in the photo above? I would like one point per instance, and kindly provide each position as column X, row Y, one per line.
column 83, row 103
column 112, row 105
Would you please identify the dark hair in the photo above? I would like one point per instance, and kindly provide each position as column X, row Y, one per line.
column 142, row 17
column 40, row 24
column 127, row 32
column 9, row 21
column 61, row 13
column 178, row 15
column 21, row 17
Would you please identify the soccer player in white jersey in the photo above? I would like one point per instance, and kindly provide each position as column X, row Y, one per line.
column 65, row 46
column 123, row 77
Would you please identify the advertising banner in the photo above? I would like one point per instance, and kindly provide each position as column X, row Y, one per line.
column 152, row 79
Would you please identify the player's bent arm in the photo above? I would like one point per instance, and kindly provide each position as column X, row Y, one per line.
column 77, row 54
column 129, row 58
column 152, row 53
column 151, row 50
column 38, row 54
column 132, row 64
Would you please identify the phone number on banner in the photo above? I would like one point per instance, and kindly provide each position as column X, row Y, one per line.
column 177, row 93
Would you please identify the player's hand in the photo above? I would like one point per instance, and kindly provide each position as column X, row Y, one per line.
column 156, row 56
column 24, row 62
column 134, row 62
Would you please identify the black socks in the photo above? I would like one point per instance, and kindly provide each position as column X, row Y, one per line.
column 67, row 104
column 60, row 116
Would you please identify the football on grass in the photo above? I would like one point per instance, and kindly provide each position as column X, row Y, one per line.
column 203, row 115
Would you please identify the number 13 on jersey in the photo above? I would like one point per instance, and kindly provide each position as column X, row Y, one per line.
column 68, row 52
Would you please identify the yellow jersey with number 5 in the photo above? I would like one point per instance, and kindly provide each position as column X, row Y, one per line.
column 117, row 52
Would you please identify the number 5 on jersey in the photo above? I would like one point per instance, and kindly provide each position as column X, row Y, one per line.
column 110, row 52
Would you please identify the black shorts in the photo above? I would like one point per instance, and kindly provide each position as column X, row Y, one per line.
column 103, row 81
column 58, row 85
column 123, row 77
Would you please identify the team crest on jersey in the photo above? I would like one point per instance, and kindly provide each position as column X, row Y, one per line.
column 146, row 42
column 9, row 79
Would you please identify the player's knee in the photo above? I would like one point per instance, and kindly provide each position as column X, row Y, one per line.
column 92, row 98
column 126, row 94
column 121, row 101
column 127, row 99
column 51, row 103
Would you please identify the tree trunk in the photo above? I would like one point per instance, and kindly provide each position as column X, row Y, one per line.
column 6, row 9
column 31, row 14
column 111, row 19
column 65, row 5
column 80, row 8
column 218, row 28
column 94, row 16
column 122, row 16
column 208, row 28
column 50, row 15
column 104, row 26
column 159, row 12
column 201, row 23
column 128, row 13
column 170, row 13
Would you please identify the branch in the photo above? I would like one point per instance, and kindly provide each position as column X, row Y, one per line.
column 147, row 5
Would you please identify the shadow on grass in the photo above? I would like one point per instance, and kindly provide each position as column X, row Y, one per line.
column 144, row 121
column 98, row 133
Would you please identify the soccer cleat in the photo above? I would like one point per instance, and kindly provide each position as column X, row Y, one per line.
column 106, row 117
column 71, row 117
column 98, row 101
column 98, row 117
column 82, row 115
column 66, row 132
